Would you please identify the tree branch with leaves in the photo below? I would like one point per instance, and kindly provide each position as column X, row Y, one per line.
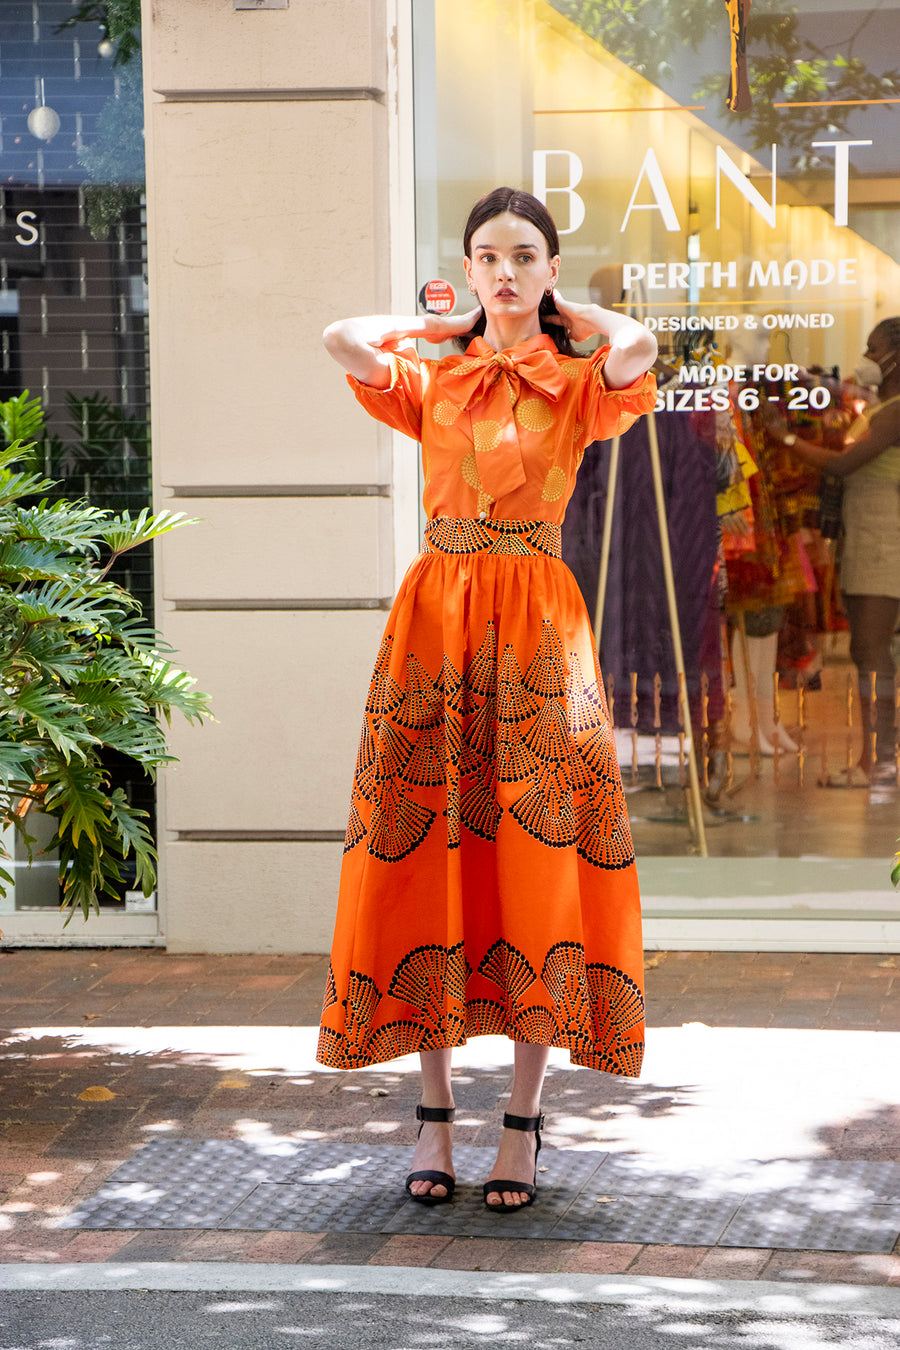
column 773, row 59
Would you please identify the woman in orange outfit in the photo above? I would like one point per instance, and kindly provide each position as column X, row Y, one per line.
column 488, row 884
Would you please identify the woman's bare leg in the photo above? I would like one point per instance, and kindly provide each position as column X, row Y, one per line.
column 515, row 1158
column 434, row 1150
column 872, row 620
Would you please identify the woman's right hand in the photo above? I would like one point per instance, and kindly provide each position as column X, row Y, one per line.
column 442, row 327
column 363, row 345
column 389, row 332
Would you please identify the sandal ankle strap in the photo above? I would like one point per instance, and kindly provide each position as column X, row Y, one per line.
column 529, row 1123
column 440, row 1114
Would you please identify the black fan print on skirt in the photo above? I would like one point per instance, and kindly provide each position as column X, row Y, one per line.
column 436, row 747
column 593, row 1010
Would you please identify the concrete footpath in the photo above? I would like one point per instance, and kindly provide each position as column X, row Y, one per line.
column 164, row 1109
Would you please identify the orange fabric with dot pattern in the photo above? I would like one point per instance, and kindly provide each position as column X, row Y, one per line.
column 488, row 883
column 462, row 403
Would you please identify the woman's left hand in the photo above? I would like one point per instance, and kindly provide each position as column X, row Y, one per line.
column 632, row 346
column 774, row 420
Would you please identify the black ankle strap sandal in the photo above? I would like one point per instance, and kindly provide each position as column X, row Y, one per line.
column 531, row 1124
column 440, row 1115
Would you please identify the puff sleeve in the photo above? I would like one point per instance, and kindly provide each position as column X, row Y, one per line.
column 608, row 412
column 400, row 404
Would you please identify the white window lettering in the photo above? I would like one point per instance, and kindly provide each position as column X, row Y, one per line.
column 575, row 175
column 25, row 221
column 751, row 194
column 796, row 273
column 768, row 277
column 724, row 274
column 662, row 201
column 841, row 174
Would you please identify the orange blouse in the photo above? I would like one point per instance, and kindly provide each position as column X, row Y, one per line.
column 503, row 433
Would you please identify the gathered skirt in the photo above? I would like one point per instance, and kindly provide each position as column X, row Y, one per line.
column 488, row 884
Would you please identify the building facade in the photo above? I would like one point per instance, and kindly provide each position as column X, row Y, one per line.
column 310, row 160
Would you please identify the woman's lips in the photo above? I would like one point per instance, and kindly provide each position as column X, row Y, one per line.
column 505, row 294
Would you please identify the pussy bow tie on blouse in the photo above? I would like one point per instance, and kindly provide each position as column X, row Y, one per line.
column 492, row 387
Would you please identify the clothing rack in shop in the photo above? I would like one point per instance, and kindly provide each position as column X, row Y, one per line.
column 695, row 800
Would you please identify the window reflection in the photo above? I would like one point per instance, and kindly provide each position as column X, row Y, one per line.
column 732, row 180
column 73, row 294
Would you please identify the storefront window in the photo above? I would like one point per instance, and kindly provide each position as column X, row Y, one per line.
column 732, row 176
column 73, row 293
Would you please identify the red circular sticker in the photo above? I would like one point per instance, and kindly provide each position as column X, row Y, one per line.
column 437, row 297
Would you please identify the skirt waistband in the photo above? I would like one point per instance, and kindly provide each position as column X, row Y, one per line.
column 515, row 538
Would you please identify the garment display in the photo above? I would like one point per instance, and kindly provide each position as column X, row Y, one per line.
column 488, row 883
column 770, row 568
column 637, row 639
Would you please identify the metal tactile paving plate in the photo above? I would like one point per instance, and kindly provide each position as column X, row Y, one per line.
column 316, row 1186
column 868, row 1181
column 643, row 1174
column 637, row 1198
column 346, row 1188
column 183, row 1183
column 567, row 1172
column 786, row 1222
column 599, row 1215
column 820, row 1205
column 140, row 1204
column 207, row 1159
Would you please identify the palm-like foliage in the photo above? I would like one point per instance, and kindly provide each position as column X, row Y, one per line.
column 80, row 673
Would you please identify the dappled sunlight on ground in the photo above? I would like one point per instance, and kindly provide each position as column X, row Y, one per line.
column 790, row 1061
column 712, row 1093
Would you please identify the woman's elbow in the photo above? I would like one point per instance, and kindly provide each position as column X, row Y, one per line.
column 647, row 347
column 639, row 346
column 333, row 337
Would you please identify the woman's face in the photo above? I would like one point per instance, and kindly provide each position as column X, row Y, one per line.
column 879, row 349
column 510, row 267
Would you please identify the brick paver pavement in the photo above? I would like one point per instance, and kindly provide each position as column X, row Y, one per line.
column 57, row 1146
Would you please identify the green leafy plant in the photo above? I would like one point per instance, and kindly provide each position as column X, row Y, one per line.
column 119, row 20
column 81, row 673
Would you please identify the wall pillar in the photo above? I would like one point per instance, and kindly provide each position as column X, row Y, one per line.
column 271, row 168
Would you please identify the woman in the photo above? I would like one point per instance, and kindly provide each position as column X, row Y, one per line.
column 870, row 564
column 488, row 884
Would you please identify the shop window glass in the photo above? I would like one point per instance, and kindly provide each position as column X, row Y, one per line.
column 73, row 292
column 732, row 176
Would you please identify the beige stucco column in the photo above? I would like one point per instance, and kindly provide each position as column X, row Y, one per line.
column 273, row 204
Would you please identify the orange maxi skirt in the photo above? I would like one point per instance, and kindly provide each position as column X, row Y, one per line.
column 488, row 884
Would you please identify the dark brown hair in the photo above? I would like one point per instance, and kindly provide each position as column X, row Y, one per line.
column 526, row 207
column 891, row 330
